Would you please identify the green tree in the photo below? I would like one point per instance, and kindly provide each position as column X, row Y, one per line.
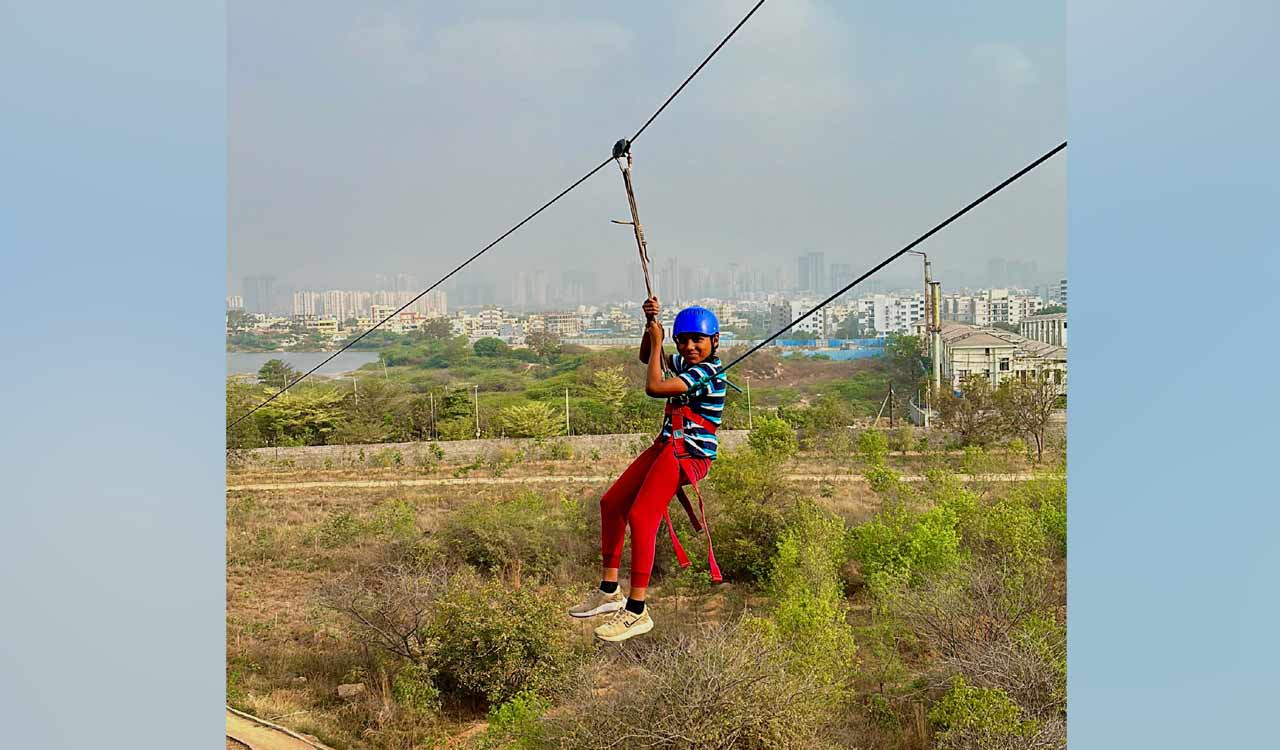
column 849, row 328
column 534, row 419
column 302, row 416
column 1051, row 309
column 773, row 438
column 490, row 347
column 609, row 386
column 241, row 397
column 276, row 373
column 239, row 321
column 546, row 344
column 1027, row 407
column 906, row 356
column 438, row 328
column 973, row 415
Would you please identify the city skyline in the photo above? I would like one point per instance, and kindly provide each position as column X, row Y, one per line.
column 540, row 290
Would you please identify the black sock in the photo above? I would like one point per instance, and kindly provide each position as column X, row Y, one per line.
column 608, row 587
column 635, row 607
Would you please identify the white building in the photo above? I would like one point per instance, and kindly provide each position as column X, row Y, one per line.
column 890, row 313
column 307, row 304
column 235, row 302
column 782, row 313
column 1050, row 328
column 998, row 355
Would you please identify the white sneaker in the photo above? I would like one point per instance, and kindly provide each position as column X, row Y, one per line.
column 624, row 624
column 598, row 602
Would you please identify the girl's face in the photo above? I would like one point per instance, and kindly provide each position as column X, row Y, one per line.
column 695, row 347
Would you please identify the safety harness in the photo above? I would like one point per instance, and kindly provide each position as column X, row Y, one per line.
column 679, row 412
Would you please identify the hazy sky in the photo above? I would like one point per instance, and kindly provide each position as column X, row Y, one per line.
column 384, row 137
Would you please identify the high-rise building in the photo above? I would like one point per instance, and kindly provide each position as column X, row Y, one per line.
column 257, row 294
column 997, row 272
column 308, row 304
column 406, row 282
column 235, row 302
column 811, row 273
column 670, row 292
column 841, row 274
column 1062, row 292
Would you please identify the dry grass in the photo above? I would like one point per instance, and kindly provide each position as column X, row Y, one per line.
column 287, row 655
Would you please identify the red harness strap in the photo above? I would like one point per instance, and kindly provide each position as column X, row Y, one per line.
column 678, row 415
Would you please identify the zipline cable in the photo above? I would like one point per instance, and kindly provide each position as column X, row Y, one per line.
column 424, row 292
column 512, row 230
column 901, row 252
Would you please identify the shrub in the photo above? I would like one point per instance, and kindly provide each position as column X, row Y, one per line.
column 729, row 687
column 387, row 607
column 805, row 585
column 492, row 641
column 1047, row 495
column 978, row 462
column 456, row 428
column 516, row 724
column 339, row 530
column 1013, row 534
column 527, row 529
column 992, row 627
column 557, row 450
column 973, row 717
column 873, row 446
column 414, row 690
column 387, row 458
column 747, row 514
column 902, row 439
column 881, row 478
column 899, row 546
column 395, row 519
column 772, row 438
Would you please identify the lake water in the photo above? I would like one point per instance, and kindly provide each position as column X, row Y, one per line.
column 247, row 363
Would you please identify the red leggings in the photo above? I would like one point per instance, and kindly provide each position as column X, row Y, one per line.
column 639, row 497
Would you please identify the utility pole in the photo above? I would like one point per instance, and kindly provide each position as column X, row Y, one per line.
column 749, row 423
column 434, row 434
column 891, row 405
column 355, row 385
column 566, row 412
column 477, row 412
column 935, row 332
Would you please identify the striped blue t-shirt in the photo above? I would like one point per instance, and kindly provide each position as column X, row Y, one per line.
column 707, row 401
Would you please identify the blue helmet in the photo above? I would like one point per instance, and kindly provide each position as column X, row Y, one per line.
column 695, row 320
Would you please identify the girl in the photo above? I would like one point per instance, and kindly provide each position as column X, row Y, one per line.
column 681, row 454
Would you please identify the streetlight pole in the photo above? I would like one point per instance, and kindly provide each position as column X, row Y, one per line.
column 932, row 324
column 749, row 423
column 477, row 412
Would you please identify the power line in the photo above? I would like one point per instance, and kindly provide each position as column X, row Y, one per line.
column 901, row 252
column 512, row 230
